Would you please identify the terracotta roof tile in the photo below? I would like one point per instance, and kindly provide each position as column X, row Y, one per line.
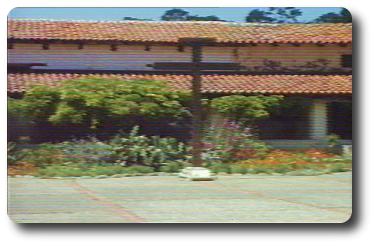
column 212, row 84
column 170, row 32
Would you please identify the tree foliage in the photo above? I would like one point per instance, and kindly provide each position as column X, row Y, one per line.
column 175, row 15
column 95, row 102
column 182, row 15
column 343, row 16
column 40, row 103
column 245, row 109
column 102, row 107
column 274, row 15
column 271, row 15
column 129, row 18
column 257, row 15
column 203, row 18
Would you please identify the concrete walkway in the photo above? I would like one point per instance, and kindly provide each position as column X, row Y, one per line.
column 247, row 198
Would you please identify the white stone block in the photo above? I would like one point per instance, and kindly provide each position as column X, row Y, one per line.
column 196, row 174
column 347, row 150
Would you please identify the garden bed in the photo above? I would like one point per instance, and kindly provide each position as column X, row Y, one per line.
column 276, row 162
column 308, row 162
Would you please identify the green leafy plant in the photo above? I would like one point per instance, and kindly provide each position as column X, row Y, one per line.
column 139, row 169
column 44, row 155
column 333, row 140
column 245, row 109
column 77, row 169
column 40, row 103
column 14, row 155
column 238, row 169
column 173, row 166
column 334, row 143
column 154, row 151
column 90, row 151
column 259, row 170
column 123, row 150
column 96, row 102
column 219, row 167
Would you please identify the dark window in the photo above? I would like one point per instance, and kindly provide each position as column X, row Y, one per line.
column 346, row 60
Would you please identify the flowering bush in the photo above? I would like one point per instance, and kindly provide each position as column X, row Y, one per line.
column 308, row 162
column 234, row 138
column 231, row 142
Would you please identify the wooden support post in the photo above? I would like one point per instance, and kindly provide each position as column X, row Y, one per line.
column 197, row 107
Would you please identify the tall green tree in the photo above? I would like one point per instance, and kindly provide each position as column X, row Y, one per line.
column 175, row 15
column 275, row 15
column 343, row 16
column 257, row 15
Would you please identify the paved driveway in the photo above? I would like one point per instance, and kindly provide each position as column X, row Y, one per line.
column 247, row 198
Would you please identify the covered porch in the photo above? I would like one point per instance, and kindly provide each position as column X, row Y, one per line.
column 308, row 123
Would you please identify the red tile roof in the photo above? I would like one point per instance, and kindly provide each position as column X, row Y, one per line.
column 212, row 84
column 170, row 32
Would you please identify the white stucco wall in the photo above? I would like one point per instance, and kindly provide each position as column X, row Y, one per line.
column 136, row 57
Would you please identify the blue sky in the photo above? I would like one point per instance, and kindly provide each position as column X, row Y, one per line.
column 230, row 14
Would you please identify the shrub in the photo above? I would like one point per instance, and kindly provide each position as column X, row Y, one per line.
column 40, row 103
column 90, row 151
column 220, row 168
column 231, row 142
column 43, row 155
column 173, row 166
column 334, row 143
column 234, row 139
column 259, row 170
column 60, row 171
column 131, row 150
column 150, row 151
column 76, row 170
column 95, row 106
column 238, row 169
column 14, row 155
column 139, row 169
column 95, row 102
column 19, row 124
column 338, row 167
column 246, row 109
column 283, row 168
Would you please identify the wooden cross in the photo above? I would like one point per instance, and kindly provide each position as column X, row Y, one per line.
column 195, row 68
